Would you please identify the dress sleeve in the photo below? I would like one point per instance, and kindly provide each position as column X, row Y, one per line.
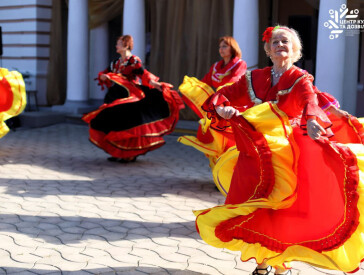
column 310, row 105
column 326, row 100
column 107, row 82
column 238, row 71
column 147, row 77
column 229, row 95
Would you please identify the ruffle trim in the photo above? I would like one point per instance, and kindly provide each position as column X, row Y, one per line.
column 126, row 148
column 140, row 139
column 217, row 122
column 357, row 126
column 345, row 255
column 194, row 93
column 13, row 97
column 312, row 110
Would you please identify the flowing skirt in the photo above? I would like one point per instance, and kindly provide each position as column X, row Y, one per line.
column 133, row 119
column 208, row 141
column 12, row 97
column 291, row 198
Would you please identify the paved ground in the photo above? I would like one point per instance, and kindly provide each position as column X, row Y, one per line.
column 65, row 210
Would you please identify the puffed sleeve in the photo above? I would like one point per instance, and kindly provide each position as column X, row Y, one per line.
column 310, row 104
column 136, row 68
column 229, row 95
column 147, row 77
column 326, row 100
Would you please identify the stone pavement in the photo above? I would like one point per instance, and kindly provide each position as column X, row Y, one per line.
column 64, row 209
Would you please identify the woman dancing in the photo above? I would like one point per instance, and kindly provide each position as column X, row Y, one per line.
column 195, row 92
column 134, row 117
column 297, row 189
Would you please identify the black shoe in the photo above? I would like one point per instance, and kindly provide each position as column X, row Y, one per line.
column 127, row 160
column 266, row 270
column 113, row 159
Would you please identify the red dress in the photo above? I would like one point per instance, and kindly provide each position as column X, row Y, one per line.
column 134, row 117
column 195, row 92
column 291, row 198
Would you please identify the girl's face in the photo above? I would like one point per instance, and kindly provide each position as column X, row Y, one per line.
column 224, row 50
column 281, row 46
column 120, row 48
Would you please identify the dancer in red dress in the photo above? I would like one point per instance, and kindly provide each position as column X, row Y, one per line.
column 297, row 189
column 195, row 92
column 134, row 117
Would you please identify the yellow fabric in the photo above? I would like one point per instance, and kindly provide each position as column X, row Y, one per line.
column 224, row 168
column 361, row 120
column 196, row 91
column 345, row 258
column 17, row 85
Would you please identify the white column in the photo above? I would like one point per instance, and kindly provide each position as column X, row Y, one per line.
column 351, row 73
column 246, row 30
column 77, row 51
column 330, row 56
column 134, row 24
column 99, row 58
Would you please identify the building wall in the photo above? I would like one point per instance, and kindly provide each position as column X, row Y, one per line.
column 26, row 29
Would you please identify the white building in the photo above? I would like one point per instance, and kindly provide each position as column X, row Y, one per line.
column 63, row 44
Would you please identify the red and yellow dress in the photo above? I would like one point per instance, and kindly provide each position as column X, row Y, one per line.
column 134, row 117
column 12, row 97
column 195, row 92
column 291, row 198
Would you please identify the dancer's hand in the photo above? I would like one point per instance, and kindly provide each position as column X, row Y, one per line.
column 314, row 130
column 226, row 112
column 338, row 112
column 156, row 85
column 103, row 77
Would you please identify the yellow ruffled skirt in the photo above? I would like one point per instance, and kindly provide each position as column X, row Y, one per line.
column 208, row 141
column 12, row 97
column 301, row 200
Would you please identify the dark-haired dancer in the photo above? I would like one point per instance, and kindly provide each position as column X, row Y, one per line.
column 135, row 116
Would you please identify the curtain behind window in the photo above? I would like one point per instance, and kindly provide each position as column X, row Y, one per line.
column 102, row 11
column 57, row 66
column 184, row 36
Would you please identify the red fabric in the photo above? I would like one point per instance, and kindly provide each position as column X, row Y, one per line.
column 217, row 76
column 325, row 212
column 6, row 95
column 131, row 68
column 137, row 140
column 326, row 100
column 299, row 94
column 142, row 138
column 319, row 218
column 254, row 157
column 125, row 148
column 234, row 69
column 347, row 130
